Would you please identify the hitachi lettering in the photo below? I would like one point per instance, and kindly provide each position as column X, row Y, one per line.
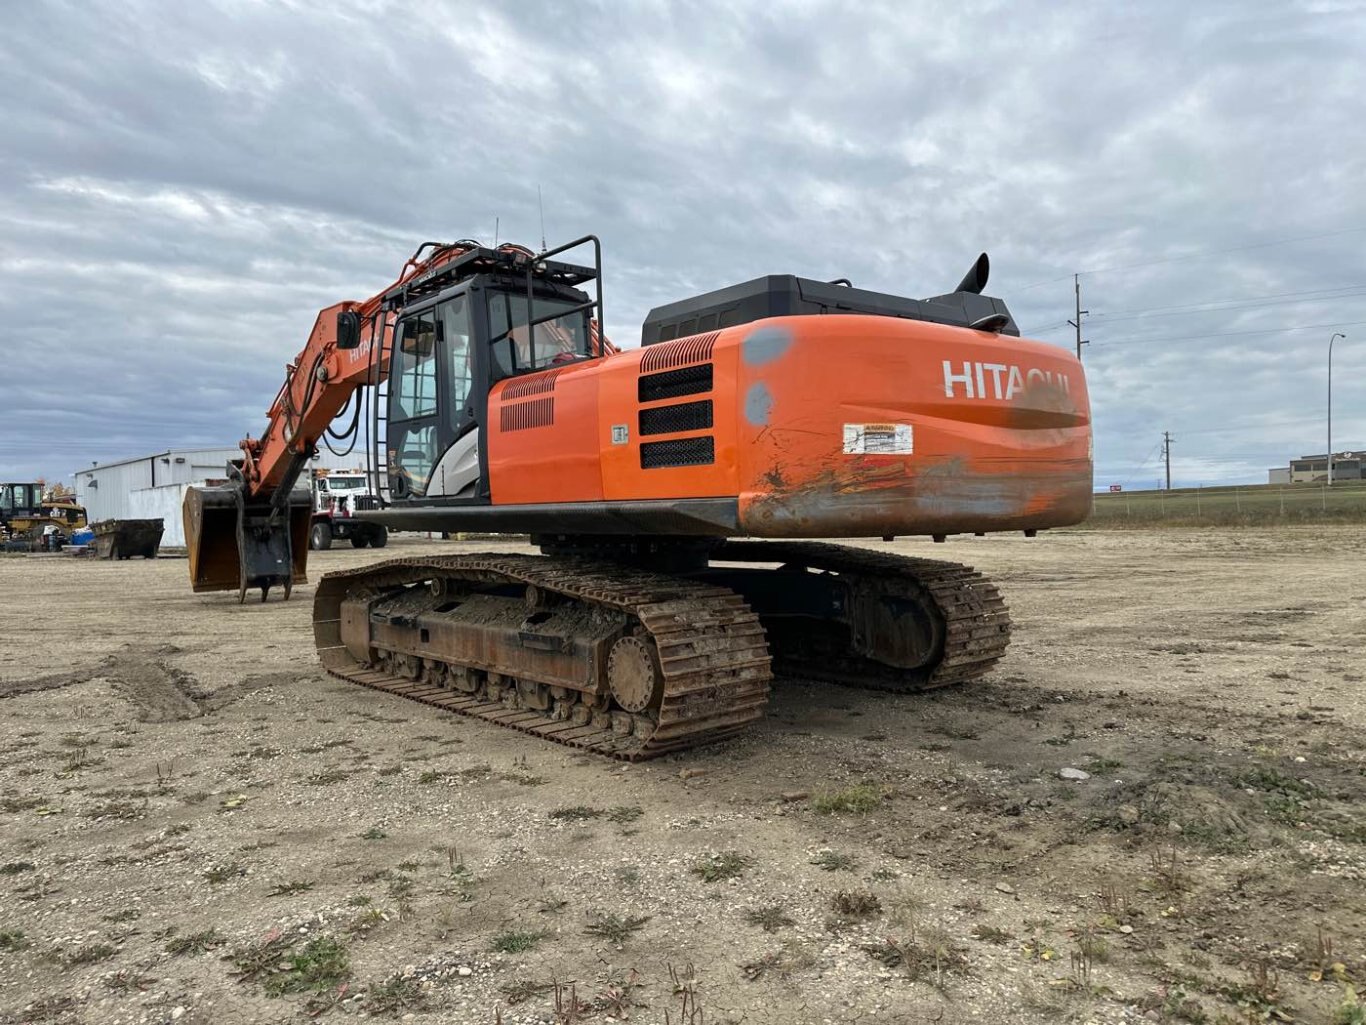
column 995, row 380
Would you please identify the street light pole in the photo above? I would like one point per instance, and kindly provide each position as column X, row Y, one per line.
column 1336, row 335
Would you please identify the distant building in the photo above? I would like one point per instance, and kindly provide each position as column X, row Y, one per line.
column 1314, row 469
column 153, row 487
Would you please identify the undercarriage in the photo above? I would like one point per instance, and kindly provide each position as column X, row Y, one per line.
column 633, row 649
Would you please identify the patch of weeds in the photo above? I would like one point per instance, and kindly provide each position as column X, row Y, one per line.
column 1351, row 1011
column 715, row 868
column 1100, row 766
column 196, row 797
column 552, row 905
column 12, row 940
column 367, row 920
column 89, row 953
column 576, row 813
column 358, row 900
column 222, row 873
column 13, row 868
column 624, row 813
column 627, row 875
column 374, row 833
column 855, row 800
column 474, row 772
column 290, row 888
column 517, row 941
column 613, row 928
column 991, row 934
column 524, row 989
column 195, row 943
column 327, row 777
column 833, row 861
column 401, row 887
column 389, row 770
column 1271, row 780
column 125, row 915
column 855, row 904
column 179, row 829
column 120, row 744
column 930, row 957
column 769, row 918
column 321, row 964
column 1169, row 876
column 1094, row 949
column 783, row 962
column 395, row 995
column 117, row 810
column 376, row 875
column 431, row 776
column 13, row 805
column 127, row 981
column 884, row 875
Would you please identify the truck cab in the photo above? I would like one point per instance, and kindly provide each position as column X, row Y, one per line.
column 337, row 496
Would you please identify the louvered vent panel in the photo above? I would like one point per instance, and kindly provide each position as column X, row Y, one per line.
column 673, row 383
column 658, row 455
column 686, row 416
column 541, row 384
column 523, row 415
column 663, row 356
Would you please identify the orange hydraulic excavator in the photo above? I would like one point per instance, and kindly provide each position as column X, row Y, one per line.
column 778, row 408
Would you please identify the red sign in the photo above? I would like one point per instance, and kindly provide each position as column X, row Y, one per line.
column 1116, row 487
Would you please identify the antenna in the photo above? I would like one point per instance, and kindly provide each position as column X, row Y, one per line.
column 495, row 233
column 542, row 206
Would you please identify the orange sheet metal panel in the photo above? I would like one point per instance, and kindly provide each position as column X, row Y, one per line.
column 863, row 426
column 619, row 426
column 543, row 440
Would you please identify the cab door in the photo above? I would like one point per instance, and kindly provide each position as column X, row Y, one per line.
column 432, row 404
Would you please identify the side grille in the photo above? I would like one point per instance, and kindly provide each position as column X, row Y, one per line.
column 522, row 415
column 676, row 354
column 687, row 416
column 673, row 383
column 540, row 384
column 360, row 502
column 656, row 455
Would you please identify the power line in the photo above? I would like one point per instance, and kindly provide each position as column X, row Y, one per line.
column 1229, row 334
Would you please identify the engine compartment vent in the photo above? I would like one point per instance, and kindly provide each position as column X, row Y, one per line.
column 523, row 415
column 686, row 416
column 673, row 383
column 658, row 455
column 678, row 353
column 538, row 384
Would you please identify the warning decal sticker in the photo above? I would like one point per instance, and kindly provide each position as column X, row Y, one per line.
column 877, row 439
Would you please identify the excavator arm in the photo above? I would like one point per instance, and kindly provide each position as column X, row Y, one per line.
column 252, row 531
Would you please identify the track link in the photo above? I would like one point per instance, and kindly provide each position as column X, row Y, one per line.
column 976, row 620
column 712, row 651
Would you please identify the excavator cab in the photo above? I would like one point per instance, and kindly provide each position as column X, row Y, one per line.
column 449, row 350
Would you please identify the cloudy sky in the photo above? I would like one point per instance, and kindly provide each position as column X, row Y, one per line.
column 183, row 186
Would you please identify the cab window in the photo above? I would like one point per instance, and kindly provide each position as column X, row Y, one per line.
column 517, row 350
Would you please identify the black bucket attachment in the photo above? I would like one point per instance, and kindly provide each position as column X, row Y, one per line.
column 234, row 544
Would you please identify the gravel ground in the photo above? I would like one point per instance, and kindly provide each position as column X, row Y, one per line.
column 1151, row 811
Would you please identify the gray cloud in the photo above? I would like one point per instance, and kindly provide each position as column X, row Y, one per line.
column 181, row 189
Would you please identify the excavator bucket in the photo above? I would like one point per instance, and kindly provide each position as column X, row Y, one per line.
column 237, row 544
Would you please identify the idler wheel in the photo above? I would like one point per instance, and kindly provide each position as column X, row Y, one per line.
column 633, row 674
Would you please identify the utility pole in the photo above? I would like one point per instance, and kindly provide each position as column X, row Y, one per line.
column 1167, row 440
column 1336, row 336
column 1076, row 284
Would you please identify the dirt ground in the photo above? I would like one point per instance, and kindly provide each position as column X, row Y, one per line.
column 198, row 825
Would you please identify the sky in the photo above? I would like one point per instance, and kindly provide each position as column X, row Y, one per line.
column 184, row 186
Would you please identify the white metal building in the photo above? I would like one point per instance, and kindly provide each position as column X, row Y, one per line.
column 153, row 486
